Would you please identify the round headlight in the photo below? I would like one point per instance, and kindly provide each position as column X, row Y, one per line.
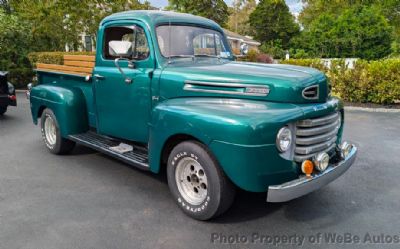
column 284, row 139
column 345, row 149
column 321, row 161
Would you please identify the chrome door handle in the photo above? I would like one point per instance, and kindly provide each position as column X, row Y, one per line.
column 99, row 77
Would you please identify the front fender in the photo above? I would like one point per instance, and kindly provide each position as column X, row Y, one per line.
column 231, row 128
column 68, row 104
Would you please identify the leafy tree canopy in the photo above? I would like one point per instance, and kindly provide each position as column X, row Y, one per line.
column 56, row 23
column 357, row 32
column 272, row 21
column 389, row 8
column 14, row 41
column 216, row 10
column 239, row 17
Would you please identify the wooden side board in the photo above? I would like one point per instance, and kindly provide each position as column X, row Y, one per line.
column 73, row 64
column 43, row 66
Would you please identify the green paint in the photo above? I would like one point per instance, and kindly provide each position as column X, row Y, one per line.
column 240, row 130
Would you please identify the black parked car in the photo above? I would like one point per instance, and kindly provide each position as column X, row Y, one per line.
column 7, row 93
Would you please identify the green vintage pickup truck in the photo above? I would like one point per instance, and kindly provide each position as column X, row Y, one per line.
column 164, row 92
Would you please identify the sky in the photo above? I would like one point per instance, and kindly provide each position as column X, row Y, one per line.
column 294, row 5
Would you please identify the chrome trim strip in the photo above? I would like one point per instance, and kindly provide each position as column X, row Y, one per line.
column 317, row 130
column 303, row 185
column 318, row 121
column 189, row 86
column 308, row 88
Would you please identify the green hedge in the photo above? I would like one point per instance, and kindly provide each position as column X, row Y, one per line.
column 369, row 81
column 21, row 76
column 52, row 57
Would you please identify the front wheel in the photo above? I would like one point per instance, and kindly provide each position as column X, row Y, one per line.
column 3, row 110
column 52, row 136
column 197, row 183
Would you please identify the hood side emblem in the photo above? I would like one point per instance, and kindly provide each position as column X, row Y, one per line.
column 311, row 92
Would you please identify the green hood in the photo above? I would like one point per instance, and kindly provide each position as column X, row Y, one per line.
column 210, row 77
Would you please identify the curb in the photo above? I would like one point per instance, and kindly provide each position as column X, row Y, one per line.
column 365, row 109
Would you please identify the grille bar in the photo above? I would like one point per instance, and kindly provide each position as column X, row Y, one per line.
column 317, row 130
column 318, row 121
column 304, row 150
column 316, row 135
column 317, row 139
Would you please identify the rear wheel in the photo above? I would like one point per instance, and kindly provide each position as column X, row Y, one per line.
column 3, row 110
column 197, row 183
column 52, row 136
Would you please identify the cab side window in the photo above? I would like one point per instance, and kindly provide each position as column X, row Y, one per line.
column 133, row 34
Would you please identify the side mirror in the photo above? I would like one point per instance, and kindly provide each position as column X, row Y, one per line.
column 120, row 48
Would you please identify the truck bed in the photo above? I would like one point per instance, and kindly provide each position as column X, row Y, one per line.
column 81, row 65
column 72, row 75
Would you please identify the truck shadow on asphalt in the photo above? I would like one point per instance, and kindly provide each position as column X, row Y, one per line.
column 315, row 208
column 82, row 150
column 6, row 117
column 253, row 206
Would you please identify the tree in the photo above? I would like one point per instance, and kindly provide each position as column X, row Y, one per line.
column 239, row 17
column 57, row 23
column 389, row 8
column 5, row 5
column 357, row 32
column 216, row 10
column 15, row 41
column 272, row 21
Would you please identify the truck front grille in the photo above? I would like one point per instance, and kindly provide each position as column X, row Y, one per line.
column 316, row 135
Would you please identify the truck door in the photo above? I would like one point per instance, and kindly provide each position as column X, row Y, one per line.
column 123, row 108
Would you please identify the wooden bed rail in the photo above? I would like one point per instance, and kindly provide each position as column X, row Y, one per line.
column 81, row 65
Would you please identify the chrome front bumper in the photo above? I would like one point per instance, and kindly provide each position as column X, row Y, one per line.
column 299, row 187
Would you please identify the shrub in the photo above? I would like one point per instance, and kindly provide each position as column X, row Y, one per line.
column 20, row 77
column 251, row 55
column 52, row 57
column 369, row 81
column 315, row 63
column 264, row 58
column 255, row 56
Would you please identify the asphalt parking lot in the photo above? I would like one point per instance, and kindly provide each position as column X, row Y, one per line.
column 88, row 200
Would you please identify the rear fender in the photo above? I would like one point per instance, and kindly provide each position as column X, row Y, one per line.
column 68, row 105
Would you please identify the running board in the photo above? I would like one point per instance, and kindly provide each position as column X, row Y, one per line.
column 138, row 157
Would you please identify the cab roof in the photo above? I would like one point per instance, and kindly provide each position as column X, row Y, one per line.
column 157, row 17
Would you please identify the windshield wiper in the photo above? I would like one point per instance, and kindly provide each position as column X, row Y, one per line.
column 207, row 55
column 180, row 56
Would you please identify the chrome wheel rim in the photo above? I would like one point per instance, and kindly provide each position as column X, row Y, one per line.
column 50, row 130
column 191, row 180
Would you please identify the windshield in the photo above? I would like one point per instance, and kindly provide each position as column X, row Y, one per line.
column 190, row 41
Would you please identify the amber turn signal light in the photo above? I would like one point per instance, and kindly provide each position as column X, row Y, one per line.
column 307, row 167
